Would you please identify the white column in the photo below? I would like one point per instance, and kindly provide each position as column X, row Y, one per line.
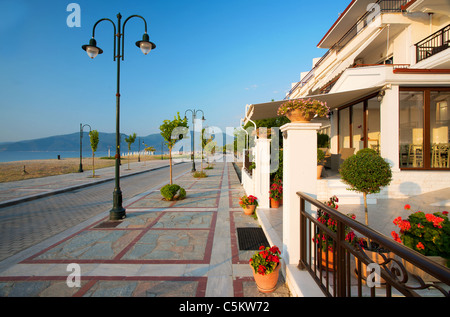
column 299, row 174
column 389, row 127
column 262, row 172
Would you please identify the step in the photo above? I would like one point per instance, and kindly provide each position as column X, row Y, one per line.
column 345, row 196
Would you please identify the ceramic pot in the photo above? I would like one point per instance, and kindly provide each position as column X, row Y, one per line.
column 249, row 210
column 376, row 258
column 266, row 283
column 274, row 203
column 327, row 265
column 297, row 116
column 319, row 171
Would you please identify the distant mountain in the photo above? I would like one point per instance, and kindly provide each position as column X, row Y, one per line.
column 71, row 142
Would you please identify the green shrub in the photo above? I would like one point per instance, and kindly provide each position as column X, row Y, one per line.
column 366, row 172
column 320, row 156
column 172, row 192
column 198, row 174
column 182, row 193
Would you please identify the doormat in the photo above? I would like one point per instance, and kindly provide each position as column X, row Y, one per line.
column 251, row 238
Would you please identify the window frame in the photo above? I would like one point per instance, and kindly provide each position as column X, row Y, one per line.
column 426, row 129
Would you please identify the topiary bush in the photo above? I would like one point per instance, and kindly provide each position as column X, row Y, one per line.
column 173, row 192
column 366, row 172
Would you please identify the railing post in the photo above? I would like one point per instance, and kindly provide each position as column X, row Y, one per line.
column 340, row 260
column 303, row 235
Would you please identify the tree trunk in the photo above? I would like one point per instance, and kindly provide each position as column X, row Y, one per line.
column 93, row 169
column 128, row 158
column 365, row 209
column 366, row 213
column 170, row 164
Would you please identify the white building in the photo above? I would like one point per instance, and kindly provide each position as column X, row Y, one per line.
column 386, row 77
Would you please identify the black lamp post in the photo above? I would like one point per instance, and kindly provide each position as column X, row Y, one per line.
column 80, row 169
column 194, row 115
column 118, row 212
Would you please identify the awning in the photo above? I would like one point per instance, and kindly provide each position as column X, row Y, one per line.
column 334, row 100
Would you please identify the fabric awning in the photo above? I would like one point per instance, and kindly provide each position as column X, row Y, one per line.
column 334, row 100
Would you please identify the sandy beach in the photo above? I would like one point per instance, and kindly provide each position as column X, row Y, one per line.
column 20, row 170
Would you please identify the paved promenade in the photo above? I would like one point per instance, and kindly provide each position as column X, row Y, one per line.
column 186, row 248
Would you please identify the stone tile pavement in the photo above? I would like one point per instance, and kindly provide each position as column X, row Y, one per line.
column 186, row 248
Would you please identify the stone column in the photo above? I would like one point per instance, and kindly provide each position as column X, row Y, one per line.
column 299, row 174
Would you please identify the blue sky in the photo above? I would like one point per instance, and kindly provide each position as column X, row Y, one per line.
column 213, row 55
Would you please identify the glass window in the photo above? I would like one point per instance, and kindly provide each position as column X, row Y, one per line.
column 358, row 126
column 411, row 128
column 439, row 128
column 373, row 124
column 344, row 128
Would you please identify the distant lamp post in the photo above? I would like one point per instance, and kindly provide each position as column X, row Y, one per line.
column 80, row 169
column 194, row 115
column 118, row 212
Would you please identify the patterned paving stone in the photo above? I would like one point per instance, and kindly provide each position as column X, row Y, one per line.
column 170, row 245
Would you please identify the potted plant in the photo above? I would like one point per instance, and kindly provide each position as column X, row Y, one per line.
column 426, row 233
column 320, row 158
column 303, row 110
column 265, row 265
column 367, row 172
column 248, row 203
column 325, row 243
column 276, row 193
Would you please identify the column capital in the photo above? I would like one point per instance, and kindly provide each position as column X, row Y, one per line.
column 300, row 126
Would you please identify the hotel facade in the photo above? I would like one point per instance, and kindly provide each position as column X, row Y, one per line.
column 386, row 77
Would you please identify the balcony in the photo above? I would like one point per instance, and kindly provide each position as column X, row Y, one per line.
column 433, row 44
column 340, row 272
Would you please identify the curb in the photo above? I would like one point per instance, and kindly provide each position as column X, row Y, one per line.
column 13, row 202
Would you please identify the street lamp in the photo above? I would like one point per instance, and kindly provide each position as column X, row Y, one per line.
column 194, row 115
column 80, row 169
column 118, row 212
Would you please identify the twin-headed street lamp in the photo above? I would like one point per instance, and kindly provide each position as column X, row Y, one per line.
column 194, row 115
column 118, row 212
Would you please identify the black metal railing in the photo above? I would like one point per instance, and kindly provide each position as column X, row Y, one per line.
column 377, row 8
column 339, row 266
column 433, row 44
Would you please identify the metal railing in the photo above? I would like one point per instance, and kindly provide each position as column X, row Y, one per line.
column 379, row 7
column 433, row 44
column 339, row 266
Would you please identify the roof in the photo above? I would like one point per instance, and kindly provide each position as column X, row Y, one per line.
column 334, row 100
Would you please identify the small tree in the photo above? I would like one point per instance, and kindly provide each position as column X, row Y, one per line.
column 130, row 140
column 171, row 135
column 366, row 172
column 150, row 149
column 93, row 136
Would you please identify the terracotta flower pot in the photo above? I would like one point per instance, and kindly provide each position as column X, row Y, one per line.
column 249, row 210
column 319, row 171
column 297, row 116
column 327, row 265
column 266, row 283
column 377, row 258
column 274, row 203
